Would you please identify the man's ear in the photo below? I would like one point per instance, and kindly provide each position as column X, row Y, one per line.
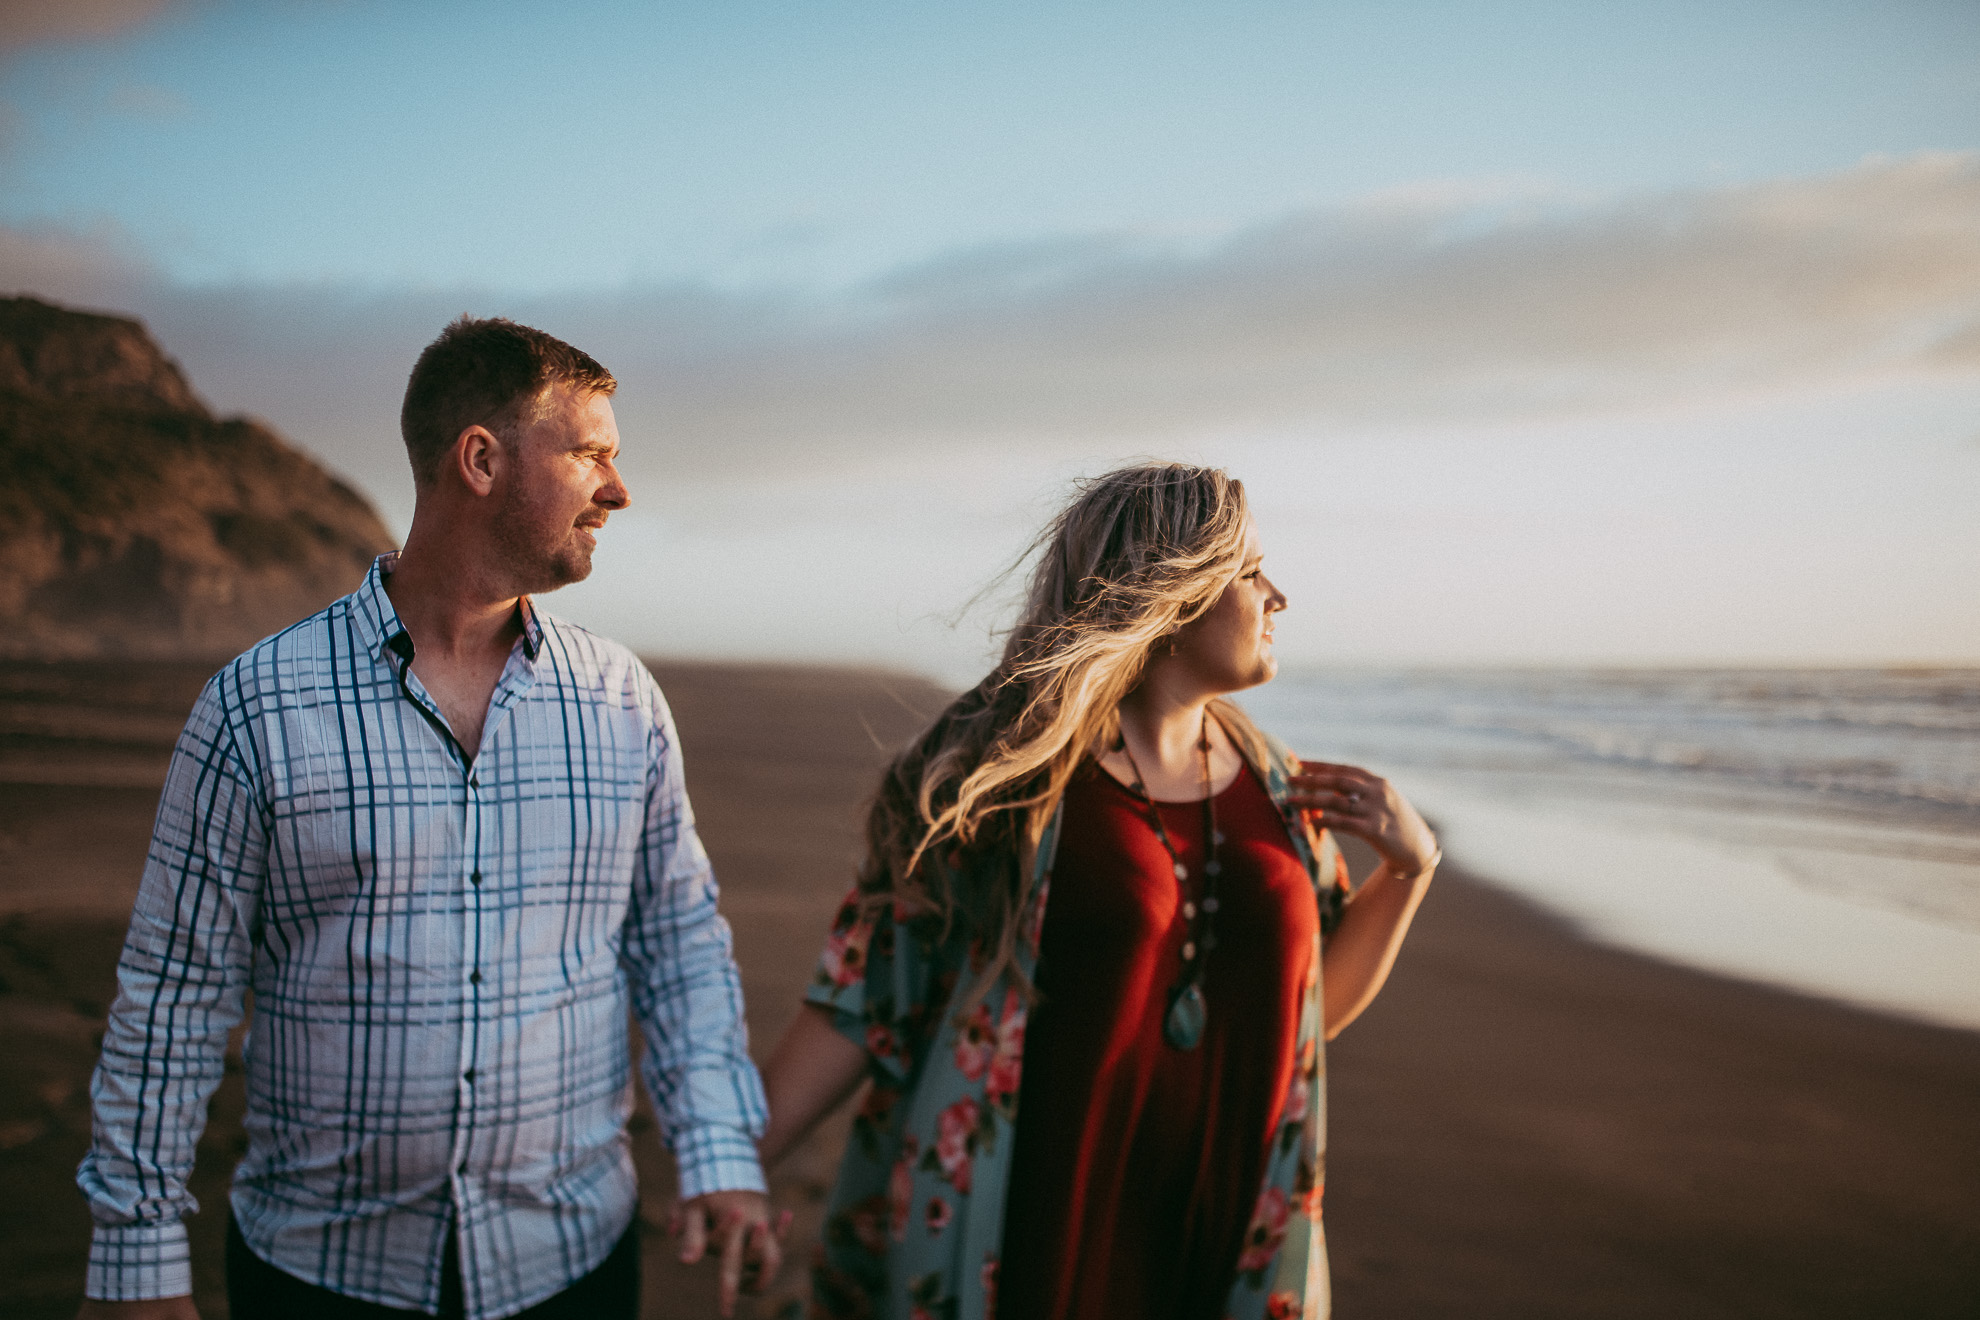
column 476, row 457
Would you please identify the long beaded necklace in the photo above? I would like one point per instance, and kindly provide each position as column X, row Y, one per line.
column 1187, row 1015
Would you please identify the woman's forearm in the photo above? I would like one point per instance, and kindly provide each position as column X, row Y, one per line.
column 810, row 1073
column 1363, row 947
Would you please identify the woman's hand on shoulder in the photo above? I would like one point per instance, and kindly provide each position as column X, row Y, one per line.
column 1350, row 800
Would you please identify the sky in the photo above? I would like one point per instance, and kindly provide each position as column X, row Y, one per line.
column 1539, row 332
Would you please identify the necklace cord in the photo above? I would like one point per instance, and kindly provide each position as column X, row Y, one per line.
column 1202, row 915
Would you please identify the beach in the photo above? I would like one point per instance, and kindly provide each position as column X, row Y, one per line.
column 1527, row 1124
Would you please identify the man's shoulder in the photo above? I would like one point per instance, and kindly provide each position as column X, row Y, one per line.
column 300, row 656
column 595, row 662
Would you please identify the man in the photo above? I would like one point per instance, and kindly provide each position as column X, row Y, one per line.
column 443, row 838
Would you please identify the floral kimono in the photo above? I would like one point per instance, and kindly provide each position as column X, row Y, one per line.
column 916, row 1225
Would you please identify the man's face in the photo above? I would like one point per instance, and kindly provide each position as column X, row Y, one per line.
column 560, row 483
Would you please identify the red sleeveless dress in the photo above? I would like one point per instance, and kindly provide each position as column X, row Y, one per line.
column 1137, row 1164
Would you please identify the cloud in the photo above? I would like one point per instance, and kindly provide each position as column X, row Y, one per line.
column 32, row 22
column 1440, row 304
column 1389, row 311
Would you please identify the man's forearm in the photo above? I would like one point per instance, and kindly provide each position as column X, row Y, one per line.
column 705, row 1088
column 180, row 989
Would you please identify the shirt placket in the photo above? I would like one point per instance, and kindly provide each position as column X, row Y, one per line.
column 468, row 1074
column 474, row 1081
column 473, row 885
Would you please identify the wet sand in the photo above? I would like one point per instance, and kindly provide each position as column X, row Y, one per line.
column 1525, row 1125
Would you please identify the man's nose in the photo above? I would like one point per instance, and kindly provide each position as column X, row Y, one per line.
column 613, row 494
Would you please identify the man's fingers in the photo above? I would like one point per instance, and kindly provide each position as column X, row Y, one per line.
column 734, row 1231
column 694, row 1234
column 768, row 1257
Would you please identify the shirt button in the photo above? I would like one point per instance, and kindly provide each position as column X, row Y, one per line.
column 475, row 977
column 474, row 781
column 468, row 1077
column 475, row 879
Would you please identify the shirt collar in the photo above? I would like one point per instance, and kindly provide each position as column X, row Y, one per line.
column 378, row 622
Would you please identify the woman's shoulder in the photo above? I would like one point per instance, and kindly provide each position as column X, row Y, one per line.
column 1268, row 755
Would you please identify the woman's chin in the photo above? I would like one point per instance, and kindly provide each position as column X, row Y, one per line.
column 1259, row 673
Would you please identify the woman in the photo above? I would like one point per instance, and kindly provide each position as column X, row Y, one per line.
column 1082, row 965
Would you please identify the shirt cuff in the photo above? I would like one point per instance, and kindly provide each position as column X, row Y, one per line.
column 717, row 1159
column 139, row 1262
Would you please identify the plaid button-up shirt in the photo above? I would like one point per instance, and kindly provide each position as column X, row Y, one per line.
column 442, row 955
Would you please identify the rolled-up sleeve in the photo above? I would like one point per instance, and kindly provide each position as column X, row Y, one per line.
column 687, row 992
column 180, row 989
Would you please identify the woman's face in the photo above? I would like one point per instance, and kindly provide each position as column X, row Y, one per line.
column 1230, row 647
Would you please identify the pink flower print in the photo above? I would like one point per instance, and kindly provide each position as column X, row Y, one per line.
column 1296, row 1097
column 900, row 1193
column 1034, row 917
column 975, row 1043
column 868, row 1222
column 938, row 1214
column 844, row 962
column 1007, row 1061
column 989, row 1288
column 1282, row 1306
column 881, row 1042
column 1267, row 1231
column 955, row 1127
column 879, row 1104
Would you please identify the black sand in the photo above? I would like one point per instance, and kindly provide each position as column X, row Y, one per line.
column 1525, row 1125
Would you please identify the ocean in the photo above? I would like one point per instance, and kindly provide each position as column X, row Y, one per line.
column 1817, row 829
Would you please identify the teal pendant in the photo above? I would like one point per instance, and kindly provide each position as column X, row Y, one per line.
column 1183, row 1028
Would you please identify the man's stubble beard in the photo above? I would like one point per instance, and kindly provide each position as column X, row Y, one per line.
column 533, row 566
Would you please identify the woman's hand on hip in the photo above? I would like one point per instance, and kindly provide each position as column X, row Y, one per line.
column 1350, row 800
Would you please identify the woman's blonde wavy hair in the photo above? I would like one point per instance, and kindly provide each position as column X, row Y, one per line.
column 1139, row 554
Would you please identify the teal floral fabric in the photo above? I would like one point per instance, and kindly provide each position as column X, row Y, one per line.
column 915, row 1227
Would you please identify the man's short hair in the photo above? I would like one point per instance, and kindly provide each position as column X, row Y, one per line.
column 492, row 372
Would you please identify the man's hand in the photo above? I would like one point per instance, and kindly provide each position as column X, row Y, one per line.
column 157, row 1308
column 744, row 1230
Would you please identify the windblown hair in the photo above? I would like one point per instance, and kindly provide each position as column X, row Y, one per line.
column 1139, row 554
column 488, row 372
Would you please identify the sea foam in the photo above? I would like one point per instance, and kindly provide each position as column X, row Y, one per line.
column 1816, row 829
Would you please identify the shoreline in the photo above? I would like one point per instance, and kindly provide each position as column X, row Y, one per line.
column 1525, row 1124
